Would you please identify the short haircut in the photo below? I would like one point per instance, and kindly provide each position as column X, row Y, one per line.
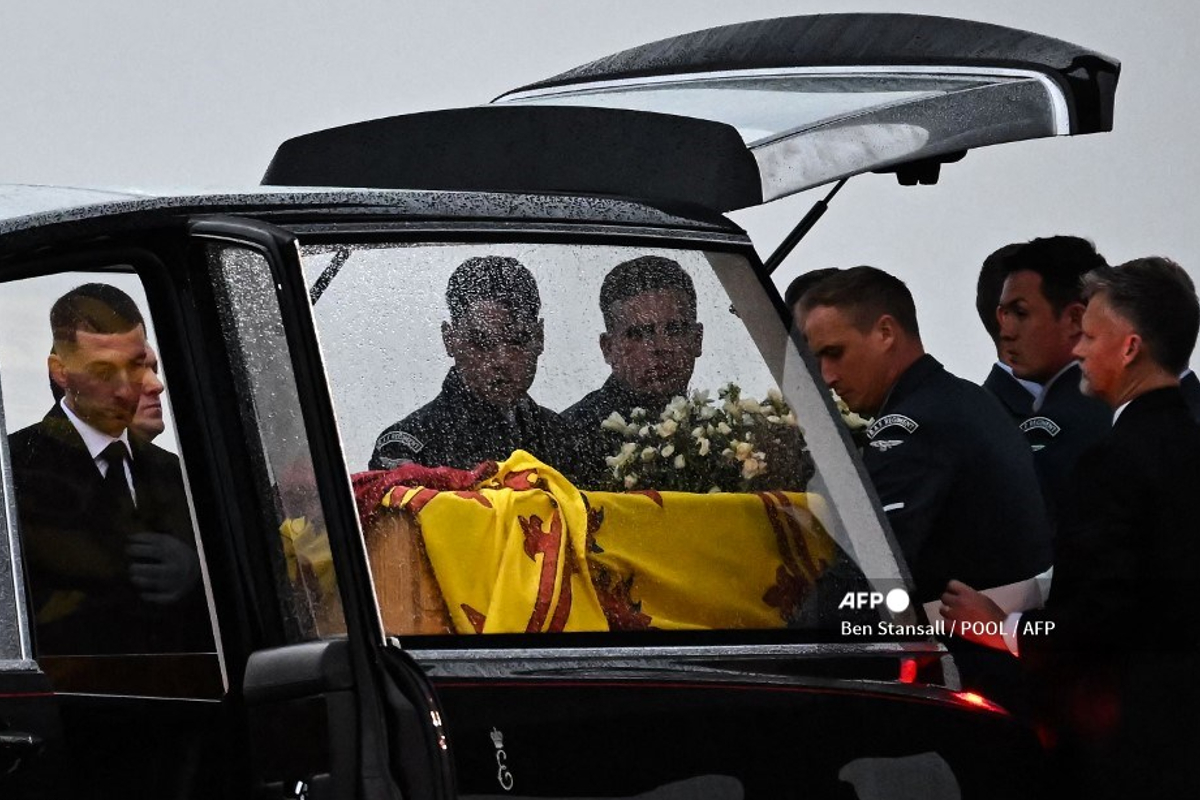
column 1158, row 299
column 640, row 275
column 805, row 281
column 93, row 308
column 990, row 286
column 866, row 294
column 497, row 279
column 1062, row 261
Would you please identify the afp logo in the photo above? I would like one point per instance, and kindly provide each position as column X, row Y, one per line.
column 896, row 600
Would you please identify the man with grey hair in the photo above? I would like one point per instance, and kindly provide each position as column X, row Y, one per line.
column 1114, row 653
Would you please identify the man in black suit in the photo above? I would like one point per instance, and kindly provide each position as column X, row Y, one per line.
column 1117, row 671
column 104, row 517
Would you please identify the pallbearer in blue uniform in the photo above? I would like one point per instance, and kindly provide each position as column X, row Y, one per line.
column 955, row 478
column 953, row 474
column 1013, row 393
column 1041, row 305
column 484, row 410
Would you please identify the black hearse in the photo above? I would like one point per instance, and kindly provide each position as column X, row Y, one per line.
column 411, row 633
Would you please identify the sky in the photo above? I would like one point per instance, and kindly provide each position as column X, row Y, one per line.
column 150, row 95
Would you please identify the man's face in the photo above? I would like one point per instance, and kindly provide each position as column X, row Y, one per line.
column 853, row 363
column 1035, row 341
column 654, row 342
column 495, row 350
column 148, row 419
column 1104, row 351
column 101, row 374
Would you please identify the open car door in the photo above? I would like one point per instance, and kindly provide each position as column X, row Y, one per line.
column 818, row 98
column 735, row 116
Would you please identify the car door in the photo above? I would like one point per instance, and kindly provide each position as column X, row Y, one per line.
column 375, row 720
column 822, row 97
column 340, row 714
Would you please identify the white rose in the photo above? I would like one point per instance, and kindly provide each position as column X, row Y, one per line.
column 668, row 450
column 698, row 432
column 667, row 429
column 775, row 396
column 700, row 397
column 615, row 422
column 750, row 468
column 630, row 480
column 707, row 412
column 773, row 419
column 644, row 431
column 649, row 454
column 743, row 450
column 680, row 463
column 704, row 447
column 724, row 429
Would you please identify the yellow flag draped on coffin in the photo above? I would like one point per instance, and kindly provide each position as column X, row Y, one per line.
column 525, row 551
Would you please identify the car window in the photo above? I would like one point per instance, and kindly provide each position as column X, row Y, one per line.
column 302, row 563
column 526, row 461
column 112, row 563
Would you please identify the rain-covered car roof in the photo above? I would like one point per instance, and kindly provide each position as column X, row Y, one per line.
column 30, row 208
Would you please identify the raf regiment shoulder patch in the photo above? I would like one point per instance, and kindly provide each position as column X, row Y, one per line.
column 1040, row 424
column 891, row 421
column 404, row 438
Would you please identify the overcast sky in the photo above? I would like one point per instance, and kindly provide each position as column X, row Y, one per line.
column 146, row 94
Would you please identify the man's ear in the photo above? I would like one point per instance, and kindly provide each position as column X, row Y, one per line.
column 448, row 340
column 58, row 370
column 697, row 341
column 606, row 346
column 886, row 328
column 539, row 336
column 1074, row 313
column 1132, row 348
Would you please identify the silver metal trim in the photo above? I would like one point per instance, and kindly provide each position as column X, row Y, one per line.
column 1062, row 115
column 12, row 594
column 617, row 655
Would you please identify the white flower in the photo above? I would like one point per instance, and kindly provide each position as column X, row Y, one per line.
column 700, row 397
column 773, row 419
column 622, row 458
column 724, row 429
column 637, row 413
column 727, row 453
column 750, row 468
column 615, row 422
column 747, row 420
column 743, row 450
column 715, row 490
column 707, row 412
column 698, row 432
column 775, row 396
column 631, row 430
column 630, row 480
column 750, row 404
column 677, row 409
column 730, row 407
column 668, row 450
column 644, row 431
column 667, row 429
column 649, row 454
column 704, row 447
column 680, row 462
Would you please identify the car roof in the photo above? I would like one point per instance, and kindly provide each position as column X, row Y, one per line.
column 27, row 208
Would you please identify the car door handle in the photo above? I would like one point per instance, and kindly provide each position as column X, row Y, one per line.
column 19, row 743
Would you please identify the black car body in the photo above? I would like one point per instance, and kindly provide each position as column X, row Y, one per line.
column 293, row 324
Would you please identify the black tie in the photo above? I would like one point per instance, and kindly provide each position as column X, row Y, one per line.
column 118, row 501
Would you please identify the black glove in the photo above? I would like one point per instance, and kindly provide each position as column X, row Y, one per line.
column 162, row 568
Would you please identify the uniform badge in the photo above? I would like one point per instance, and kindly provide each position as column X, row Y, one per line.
column 1040, row 424
column 891, row 421
column 883, row 445
column 401, row 437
